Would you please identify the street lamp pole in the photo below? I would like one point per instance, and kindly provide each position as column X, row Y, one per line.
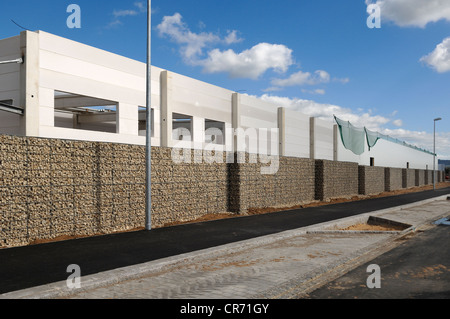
column 434, row 153
column 148, row 142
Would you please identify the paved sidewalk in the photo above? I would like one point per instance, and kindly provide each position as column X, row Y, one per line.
column 283, row 265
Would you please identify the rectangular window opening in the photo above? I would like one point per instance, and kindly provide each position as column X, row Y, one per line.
column 182, row 127
column 10, row 122
column 79, row 112
column 143, row 121
column 214, row 132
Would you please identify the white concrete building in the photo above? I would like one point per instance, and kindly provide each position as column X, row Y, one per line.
column 69, row 90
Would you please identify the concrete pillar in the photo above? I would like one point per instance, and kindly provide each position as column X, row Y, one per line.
column 29, row 82
column 46, row 107
column 235, row 196
column 198, row 132
column 166, row 109
column 312, row 146
column 235, row 117
column 336, row 137
column 127, row 119
column 75, row 121
column 282, row 131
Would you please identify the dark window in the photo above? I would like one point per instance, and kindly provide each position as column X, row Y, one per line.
column 214, row 132
column 143, row 121
column 181, row 127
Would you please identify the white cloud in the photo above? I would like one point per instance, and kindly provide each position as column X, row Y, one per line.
column 439, row 59
column 232, row 37
column 319, row 91
column 200, row 49
column 192, row 43
column 413, row 13
column 341, row 80
column 316, row 91
column 142, row 7
column 299, row 78
column 251, row 63
column 124, row 13
column 272, row 89
column 397, row 123
column 303, row 78
column 138, row 8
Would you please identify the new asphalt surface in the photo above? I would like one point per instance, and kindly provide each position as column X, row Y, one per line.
column 32, row 266
column 417, row 269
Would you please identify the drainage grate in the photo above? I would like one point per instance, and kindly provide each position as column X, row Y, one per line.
column 443, row 221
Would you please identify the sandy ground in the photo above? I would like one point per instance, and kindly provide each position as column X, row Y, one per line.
column 367, row 227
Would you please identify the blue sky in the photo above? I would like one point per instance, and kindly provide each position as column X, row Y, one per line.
column 318, row 57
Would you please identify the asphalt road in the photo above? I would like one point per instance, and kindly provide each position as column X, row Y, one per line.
column 417, row 269
column 32, row 266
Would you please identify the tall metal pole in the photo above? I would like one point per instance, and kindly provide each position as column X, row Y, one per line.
column 434, row 153
column 434, row 156
column 148, row 143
